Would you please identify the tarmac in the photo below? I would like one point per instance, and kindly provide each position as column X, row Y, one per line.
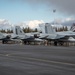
column 18, row 59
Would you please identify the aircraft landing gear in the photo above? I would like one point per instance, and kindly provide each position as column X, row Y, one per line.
column 4, row 41
column 55, row 43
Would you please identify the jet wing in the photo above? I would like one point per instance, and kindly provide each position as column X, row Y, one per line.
column 58, row 37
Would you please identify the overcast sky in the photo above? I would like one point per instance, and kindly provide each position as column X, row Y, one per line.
column 17, row 11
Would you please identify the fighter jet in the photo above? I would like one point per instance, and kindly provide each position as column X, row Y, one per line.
column 56, row 37
column 18, row 34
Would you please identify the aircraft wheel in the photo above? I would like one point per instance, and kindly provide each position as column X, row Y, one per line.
column 55, row 43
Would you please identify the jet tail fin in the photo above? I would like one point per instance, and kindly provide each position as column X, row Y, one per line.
column 73, row 27
column 47, row 29
column 18, row 30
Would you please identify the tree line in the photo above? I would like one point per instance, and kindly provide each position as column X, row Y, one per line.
column 64, row 28
column 26, row 30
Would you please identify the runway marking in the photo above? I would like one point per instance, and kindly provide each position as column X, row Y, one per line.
column 4, row 54
column 49, row 61
column 42, row 60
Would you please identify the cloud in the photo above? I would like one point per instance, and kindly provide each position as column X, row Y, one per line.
column 34, row 23
column 5, row 24
column 68, row 21
column 64, row 6
column 63, row 22
column 22, row 24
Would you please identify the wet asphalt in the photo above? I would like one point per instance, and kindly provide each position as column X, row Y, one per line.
column 18, row 59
